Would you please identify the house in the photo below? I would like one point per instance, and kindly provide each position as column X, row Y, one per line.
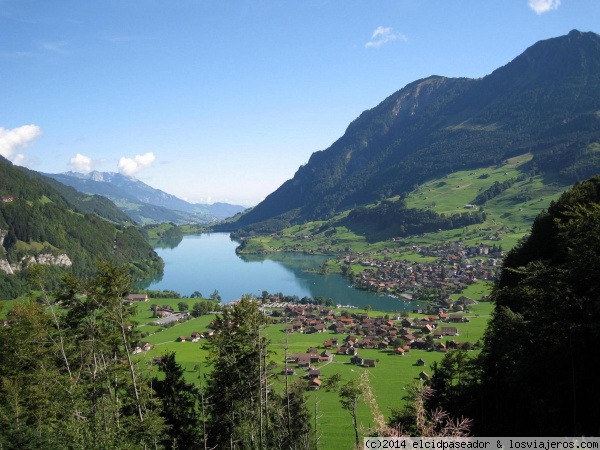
column 181, row 339
column 420, row 362
column 439, row 347
column 456, row 318
column 138, row 297
column 304, row 361
column 450, row 331
column 314, row 373
column 314, row 384
column 369, row 363
column 325, row 356
column 146, row 346
column 288, row 371
column 358, row 360
column 399, row 351
column 424, row 376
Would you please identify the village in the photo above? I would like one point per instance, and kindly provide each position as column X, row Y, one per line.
column 346, row 333
column 456, row 267
column 432, row 330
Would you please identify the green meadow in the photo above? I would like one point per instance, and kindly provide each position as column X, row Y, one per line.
column 388, row 380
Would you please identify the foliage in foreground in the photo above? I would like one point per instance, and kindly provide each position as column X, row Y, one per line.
column 533, row 377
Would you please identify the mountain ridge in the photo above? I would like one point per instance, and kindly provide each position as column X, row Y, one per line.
column 544, row 100
column 143, row 203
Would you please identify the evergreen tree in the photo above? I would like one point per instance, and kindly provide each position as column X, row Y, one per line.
column 179, row 406
column 243, row 410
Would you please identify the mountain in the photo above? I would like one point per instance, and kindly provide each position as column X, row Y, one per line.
column 143, row 203
column 42, row 221
column 546, row 102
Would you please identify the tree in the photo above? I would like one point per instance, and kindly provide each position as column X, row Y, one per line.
column 547, row 297
column 416, row 420
column 350, row 395
column 215, row 296
column 196, row 294
column 332, row 383
column 368, row 309
column 179, row 406
column 183, row 306
column 201, row 308
column 72, row 381
column 243, row 411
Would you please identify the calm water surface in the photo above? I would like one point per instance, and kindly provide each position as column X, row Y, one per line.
column 207, row 262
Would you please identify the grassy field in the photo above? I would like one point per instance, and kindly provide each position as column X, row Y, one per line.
column 388, row 380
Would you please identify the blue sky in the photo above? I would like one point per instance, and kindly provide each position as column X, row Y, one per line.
column 215, row 100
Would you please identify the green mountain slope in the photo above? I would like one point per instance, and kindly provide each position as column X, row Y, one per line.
column 63, row 229
column 546, row 101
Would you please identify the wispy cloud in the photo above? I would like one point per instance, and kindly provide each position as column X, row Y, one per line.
column 543, row 6
column 17, row 138
column 55, row 47
column 384, row 35
column 117, row 38
column 130, row 166
column 80, row 163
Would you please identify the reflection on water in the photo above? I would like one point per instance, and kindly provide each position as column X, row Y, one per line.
column 169, row 243
column 208, row 262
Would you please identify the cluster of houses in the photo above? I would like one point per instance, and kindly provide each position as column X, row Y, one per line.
column 143, row 347
column 195, row 336
column 359, row 331
column 451, row 274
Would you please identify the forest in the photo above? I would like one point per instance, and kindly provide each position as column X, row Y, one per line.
column 533, row 375
column 37, row 218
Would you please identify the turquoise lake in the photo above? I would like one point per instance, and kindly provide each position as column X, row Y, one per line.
column 207, row 262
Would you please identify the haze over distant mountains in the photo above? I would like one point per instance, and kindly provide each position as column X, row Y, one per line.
column 143, row 203
column 546, row 102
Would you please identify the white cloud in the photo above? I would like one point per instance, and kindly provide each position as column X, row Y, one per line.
column 80, row 163
column 543, row 6
column 130, row 166
column 17, row 138
column 383, row 35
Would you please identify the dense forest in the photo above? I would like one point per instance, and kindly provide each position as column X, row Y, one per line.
column 545, row 102
column 37, row 219
column 401, row 221
column 534, row 375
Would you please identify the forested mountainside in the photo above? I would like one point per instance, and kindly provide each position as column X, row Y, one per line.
column 62, row 228
column 546, row 101
column 533, row 376
column 145, row 204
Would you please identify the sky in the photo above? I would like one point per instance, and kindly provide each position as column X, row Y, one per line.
column 222, row 101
